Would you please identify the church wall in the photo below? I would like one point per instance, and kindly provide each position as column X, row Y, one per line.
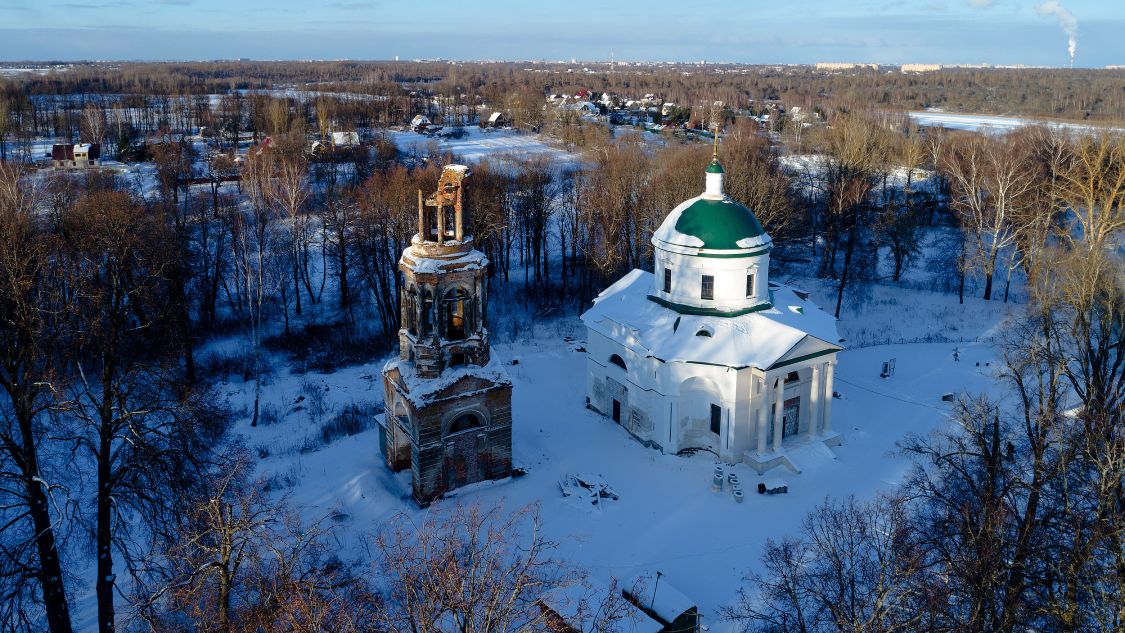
column 641, row 404
column 730, row 280
column 431, row 425
column 653, row 410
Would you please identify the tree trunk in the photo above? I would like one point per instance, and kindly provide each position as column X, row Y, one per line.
column 104, row 534
column 853, row 235
column 50, row 567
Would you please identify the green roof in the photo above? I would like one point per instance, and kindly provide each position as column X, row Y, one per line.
column 720, row 224
column 715, row 168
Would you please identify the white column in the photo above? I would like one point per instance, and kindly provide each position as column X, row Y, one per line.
column 815, row 388
column 778, row 412
column 761, row 402
column 829, row 369
column 730, row 426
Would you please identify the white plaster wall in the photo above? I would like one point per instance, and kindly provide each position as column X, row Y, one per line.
column 730, row 279
column 654, row 388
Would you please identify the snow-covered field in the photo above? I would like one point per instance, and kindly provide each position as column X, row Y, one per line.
column 667, row 517
column 992, row 124
column 477, row 144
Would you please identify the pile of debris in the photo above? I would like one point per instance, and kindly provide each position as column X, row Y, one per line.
column 585, row 486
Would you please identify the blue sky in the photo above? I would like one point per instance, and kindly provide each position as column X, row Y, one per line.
column 802, row 31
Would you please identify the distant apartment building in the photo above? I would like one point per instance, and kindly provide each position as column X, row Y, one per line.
column 844, row 66
column 920, row 68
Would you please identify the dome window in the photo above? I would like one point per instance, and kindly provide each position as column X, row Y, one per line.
column 707, row 288
column 667, row 279
column 749, row 285
column 705, row 332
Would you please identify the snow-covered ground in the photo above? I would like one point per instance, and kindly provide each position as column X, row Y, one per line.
column 667, row 517
column 993, row 124
column 477, row 144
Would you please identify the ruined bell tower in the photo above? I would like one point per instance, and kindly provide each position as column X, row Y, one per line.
column 447, row 412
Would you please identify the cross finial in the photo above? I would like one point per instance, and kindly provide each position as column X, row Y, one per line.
column 715, row 132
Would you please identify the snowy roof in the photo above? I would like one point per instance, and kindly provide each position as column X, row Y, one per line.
column 423, row 391
column 659, row 596
column 580, row 606
column 469, row 260
column 758, row 339
column 345, row 138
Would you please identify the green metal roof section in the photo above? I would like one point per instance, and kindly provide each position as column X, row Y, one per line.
column 794, row 361
column 720, row 224
column 694, row 311
column 715, row 168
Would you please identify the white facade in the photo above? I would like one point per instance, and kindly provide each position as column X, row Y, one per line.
column 741, row 370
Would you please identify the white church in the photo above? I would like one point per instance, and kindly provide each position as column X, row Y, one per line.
column 707, row 353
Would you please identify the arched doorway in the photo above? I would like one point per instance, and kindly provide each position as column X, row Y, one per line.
column 466, row 457
column 700, row 414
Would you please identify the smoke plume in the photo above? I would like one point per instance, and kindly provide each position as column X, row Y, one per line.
column 1067, row 22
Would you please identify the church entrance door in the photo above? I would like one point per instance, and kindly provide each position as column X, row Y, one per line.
column 617, row 411
column 790, row 415
column 463, row 464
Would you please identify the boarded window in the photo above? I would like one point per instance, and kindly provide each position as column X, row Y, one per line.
column 667, row 280
column 750, row 285
column 707, row 290
column 464, row 422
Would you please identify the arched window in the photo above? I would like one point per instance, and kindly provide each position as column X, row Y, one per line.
column 706, row 333
column 457, row 308
column 411, row 309
column 427, row 307
column 464, row 422
column 617, row 360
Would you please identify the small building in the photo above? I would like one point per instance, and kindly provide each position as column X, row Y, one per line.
column 584, row 107
column 78, row 156
column 448, row 405
column 660, row 600
column 707, row 353
column 498, row 120
column 420, row 122
column 593, row 607
column 345, row 139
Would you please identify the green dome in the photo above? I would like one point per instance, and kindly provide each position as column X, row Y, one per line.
column 719, row 224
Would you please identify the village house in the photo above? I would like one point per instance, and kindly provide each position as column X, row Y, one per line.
column 77, row 156
column 707, row 353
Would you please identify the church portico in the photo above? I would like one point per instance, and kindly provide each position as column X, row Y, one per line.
column 706, row 353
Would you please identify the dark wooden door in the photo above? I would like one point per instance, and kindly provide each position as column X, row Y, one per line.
column 617, row 411
column 716, row 419
column 790, row 417
column 463, row 464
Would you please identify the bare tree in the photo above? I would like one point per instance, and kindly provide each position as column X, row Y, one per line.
column 33, row 300
column 853, row 569
column 243, row 564
column 474, row 569
column 1092, row 184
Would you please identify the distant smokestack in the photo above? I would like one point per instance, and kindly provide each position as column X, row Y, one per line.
column 1067, row 22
